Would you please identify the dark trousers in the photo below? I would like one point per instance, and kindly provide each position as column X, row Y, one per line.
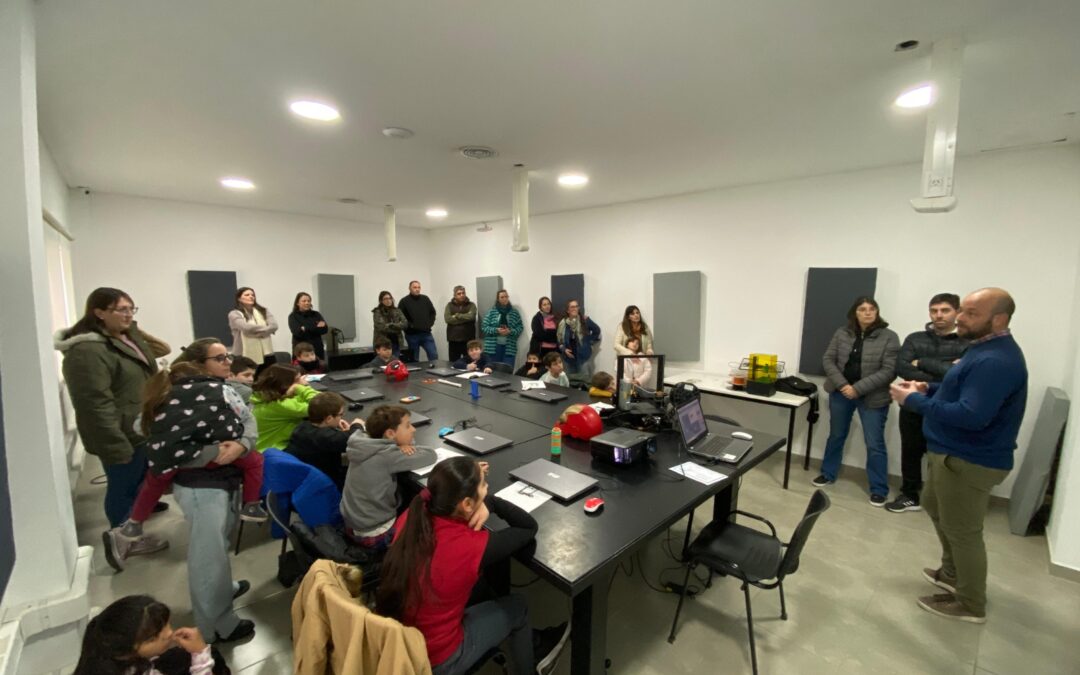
column 912, row 449
column 457, row 349
column 124, row 481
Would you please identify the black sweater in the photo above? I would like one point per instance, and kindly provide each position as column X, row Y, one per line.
column 303, row 327
column 935, row 354
column 419, row 312
column 508, row 541
column 322, row 448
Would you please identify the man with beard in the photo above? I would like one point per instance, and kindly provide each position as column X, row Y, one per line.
column 460, row 317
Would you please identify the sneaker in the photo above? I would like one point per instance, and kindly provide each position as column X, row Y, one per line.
column 242, row 586
column 946, row 605
column 548, row 645
column 116, row 548
column 821, row 481
column 147, row 544
column 940, row 580
column 903, row 503
column 254, row 513
column 877, row 500
column 243, row 630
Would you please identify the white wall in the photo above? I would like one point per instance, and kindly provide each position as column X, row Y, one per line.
column 146, row 246
column 54, row 189
column 1061, row 533
column 1015, row 227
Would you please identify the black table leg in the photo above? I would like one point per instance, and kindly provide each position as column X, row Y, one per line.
column 790, row 438
column 588, row 630
column 726, row 501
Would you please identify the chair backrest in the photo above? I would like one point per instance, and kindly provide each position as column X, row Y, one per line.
column 819, row 503
column 500, row 367
column 275, row 511
column 722, row 420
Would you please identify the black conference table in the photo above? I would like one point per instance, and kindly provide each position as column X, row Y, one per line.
column 575, row 552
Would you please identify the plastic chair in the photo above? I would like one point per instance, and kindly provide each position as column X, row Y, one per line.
column 752, row 556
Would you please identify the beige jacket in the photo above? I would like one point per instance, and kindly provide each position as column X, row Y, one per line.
column 333, row 632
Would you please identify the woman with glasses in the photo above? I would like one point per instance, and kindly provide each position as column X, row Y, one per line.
column 252, row 325
column 389, row 322
column 576, row 335
column 107, row 361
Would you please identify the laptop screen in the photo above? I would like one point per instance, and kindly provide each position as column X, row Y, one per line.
column 692, row 422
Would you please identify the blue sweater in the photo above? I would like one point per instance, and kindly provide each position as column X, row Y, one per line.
column 975, row 412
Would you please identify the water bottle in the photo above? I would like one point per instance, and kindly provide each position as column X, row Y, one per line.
column 474, row 389
column 556, row 441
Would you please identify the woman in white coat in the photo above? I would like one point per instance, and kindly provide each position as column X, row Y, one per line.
column 252, row 325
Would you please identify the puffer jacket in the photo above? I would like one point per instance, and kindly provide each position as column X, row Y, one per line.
column 880, row 349
column 105, row 379
column 935, row 354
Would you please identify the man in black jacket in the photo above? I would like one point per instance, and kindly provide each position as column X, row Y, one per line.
column 925, row 356
column 420, row 314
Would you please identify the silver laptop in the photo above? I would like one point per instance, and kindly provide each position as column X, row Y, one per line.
column 702, row 443
column 546, row 395
column 445, row 372
column 349, row 375
column 418, row 419
column 492, row 382
column 562, row 483
column 359, row 395
column 477, row 440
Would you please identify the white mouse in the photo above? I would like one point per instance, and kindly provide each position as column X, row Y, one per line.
column 742, row 434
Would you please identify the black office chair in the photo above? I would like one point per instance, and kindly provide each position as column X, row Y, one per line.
column 752, row 556
column 500, row 367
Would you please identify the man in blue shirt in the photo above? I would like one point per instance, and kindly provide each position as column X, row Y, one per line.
column 970, row 420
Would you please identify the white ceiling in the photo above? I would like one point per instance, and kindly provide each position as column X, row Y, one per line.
column 162, row 98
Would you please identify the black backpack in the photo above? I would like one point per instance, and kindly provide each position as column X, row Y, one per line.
column 800, row 387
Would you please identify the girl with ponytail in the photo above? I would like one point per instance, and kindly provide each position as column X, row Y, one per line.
column 438, row 555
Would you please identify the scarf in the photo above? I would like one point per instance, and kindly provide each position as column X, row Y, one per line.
column 503, row 313
column 256, row 348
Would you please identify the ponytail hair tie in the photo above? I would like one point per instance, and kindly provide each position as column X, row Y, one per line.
column 425, row 495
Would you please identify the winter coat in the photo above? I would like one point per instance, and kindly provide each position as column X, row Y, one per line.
column 935, row 354
column 540, row 334
column 621, row 338
column 460, row 321
column 389, row 324
column 241, row 325
column 277, row 419
column 199, row 411
column 304, row 328
column 880, row 349
column 419, row 312
column 490, row 329
column 370, row 497
column 568, row 340
column 105, row 378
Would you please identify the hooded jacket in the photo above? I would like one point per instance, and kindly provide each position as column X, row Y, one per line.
column 935, row 354
column 277, row 419
column 322, row 448
column 370, row 497
column 199, row 411
column 105, row 378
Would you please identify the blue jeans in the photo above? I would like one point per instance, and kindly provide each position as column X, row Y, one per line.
column 841, row 410
column 211, row 515
column 500, row 356
column 486, row 625
column 124, row 481
column 425, row 340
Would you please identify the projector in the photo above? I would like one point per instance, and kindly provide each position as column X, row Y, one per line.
column 623, row 446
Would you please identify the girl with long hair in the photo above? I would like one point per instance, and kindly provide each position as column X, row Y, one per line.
column 631, row 326
column 251, row 325
column 280, row 403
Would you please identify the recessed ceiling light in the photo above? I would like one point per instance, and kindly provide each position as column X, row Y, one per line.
column 919, row 97
column 313, row 110
column 399, row 133
column 436, row 212
column 906, row 46
column 235, row 183
column 573, row 179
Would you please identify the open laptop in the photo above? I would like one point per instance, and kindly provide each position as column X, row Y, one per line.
column 545, row 395
column 349, row 375
column 477, row 440
column 444, row 372
column 562, row 483
column 359, row 394
column 418, row 419
column 492, row 382
column 702, row 443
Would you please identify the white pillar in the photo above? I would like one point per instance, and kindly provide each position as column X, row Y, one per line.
column 45, row 601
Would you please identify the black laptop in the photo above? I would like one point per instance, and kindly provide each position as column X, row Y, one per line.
column 700, row 442
column 477, row 440
column 349, row 375
column 545, row 395
column 445, row 372
column 418, row 419
column 560, row 482
column 492, row 382
column 359, row 394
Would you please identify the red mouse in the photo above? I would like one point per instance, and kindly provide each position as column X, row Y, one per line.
column 593, row 504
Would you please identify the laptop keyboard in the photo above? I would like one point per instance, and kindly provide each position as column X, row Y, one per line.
column 712, row 445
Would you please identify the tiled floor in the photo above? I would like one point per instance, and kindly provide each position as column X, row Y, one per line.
column 851, row 605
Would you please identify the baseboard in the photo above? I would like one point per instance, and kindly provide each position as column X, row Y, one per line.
column 1060, row 571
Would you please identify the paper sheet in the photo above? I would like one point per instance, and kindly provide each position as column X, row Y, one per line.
column 472, row 375
column 523, row 495
column 314, row 378
column 532, row 384
column 441, row 453
column 600, row 406
column 695, row 471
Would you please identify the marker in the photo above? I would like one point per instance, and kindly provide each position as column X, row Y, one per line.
column 452, row 384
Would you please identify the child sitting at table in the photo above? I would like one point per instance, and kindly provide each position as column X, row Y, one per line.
column 304, row 357
column 280, row 402
column 321, row 439
column 243, row 376
column 384, row 353
column 532, row 369
column 602, row 385
column 476, row 361
column 555, row 374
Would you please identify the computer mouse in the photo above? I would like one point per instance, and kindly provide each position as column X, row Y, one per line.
column 742, row 434
column 593, row 504
column 356, row 406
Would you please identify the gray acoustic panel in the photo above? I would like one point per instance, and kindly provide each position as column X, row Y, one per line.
column 1033, row 477
column 567, row 287
column 337, row 302
column 486, row 290
column 829, row 294
column 212, row 295
column 677, row 319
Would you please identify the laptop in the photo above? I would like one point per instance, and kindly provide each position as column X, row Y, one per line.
column 702, row 443
column 349, row 375
column 545, row 395
column 562, row 483
column 492, row 382
column 418, row 419
column 359, row 395
column 444, row 372
column 477, row 440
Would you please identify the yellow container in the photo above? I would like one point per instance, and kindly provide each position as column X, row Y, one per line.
column 761, row 375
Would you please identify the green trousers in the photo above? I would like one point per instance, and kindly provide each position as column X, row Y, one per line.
column 956, row 496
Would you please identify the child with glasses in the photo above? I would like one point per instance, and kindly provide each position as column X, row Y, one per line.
column 185, row 410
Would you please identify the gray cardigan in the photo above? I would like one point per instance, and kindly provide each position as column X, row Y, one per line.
column 878, row 364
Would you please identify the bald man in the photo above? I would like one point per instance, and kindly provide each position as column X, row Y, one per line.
column 970, row 420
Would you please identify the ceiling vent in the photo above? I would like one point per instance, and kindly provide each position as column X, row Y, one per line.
column 478, row 152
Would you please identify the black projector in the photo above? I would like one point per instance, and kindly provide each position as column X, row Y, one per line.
column 623, row 446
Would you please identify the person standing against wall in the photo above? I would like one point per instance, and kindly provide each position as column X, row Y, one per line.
column 420, row 314
column 501, row 327
column 633, row 326
column 307, row 325
column 252, row 325
column 577, row 334
column 389, row 323
column 460, row 317
column 545, row 324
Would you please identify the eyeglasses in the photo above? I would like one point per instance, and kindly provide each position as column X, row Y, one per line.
column 221, row 358
column 126, row 311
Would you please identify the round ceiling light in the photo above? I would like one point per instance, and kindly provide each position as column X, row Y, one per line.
column 478, row 152
column 919, row 97
column 398, row 133
column 237, row 183
column 437, row 212
column 313, row 110
column 573, row 179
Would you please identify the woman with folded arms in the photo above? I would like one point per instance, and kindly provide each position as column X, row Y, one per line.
column 252, row 325
column 307, row 325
